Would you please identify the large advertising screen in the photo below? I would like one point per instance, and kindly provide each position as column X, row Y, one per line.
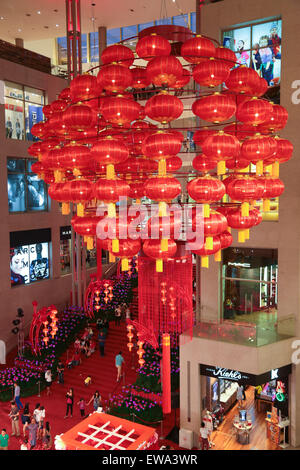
column 29, row 263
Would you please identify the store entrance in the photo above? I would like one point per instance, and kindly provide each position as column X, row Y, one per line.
column 246, row 417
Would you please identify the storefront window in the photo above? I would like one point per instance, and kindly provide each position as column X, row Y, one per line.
column 113, row 36
column 26, row 192
column 23, row 109
column 249, row 285
column 259, row 47
column 29, row 257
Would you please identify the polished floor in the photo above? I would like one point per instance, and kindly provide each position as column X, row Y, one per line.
column 225, row 439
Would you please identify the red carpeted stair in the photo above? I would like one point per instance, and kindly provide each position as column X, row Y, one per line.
column 134, row 306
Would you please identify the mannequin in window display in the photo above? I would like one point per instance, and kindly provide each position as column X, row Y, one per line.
column 275, row 41
column 39, row 268
column 18, row 129
column 16, row 267
column 256, row 59
column 242, row 56
column 266, row 55
column 9, row 128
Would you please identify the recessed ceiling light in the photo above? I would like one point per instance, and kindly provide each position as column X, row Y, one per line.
column 28, row 14
column 19, row 30
column 57, row 25
column 38, row 12
column 1, row 17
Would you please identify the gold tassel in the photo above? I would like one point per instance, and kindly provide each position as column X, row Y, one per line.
column 159, row 265
column 206, row 210
column 266, row 205
column 275, row 170
column 259, row 168
column 110, row 172
column 111, row 210
column 221, row 168
column 80, row 210
column 162, row 209
column 241, row 236
column 57, row 176
column 124, row 264
column 162, row 167
column 218, row 256
column 204, row 262
column 209, row 243
column 245, row 209
column 90, row 243
column 229, row 229
column 115, row 246
column 111, row 258
column 65, row 209
column 76, row 172
column 164, row 244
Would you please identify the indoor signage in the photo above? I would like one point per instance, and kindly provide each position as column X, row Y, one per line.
column 243, row 377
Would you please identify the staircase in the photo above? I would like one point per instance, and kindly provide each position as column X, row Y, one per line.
column 134, row 307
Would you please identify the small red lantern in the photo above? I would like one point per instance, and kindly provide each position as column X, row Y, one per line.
column 162, row 188
column 211, row 73
column 139, row 78
column 152, row 46
column 206, row 190
column 120, row 111
column 221, row 146
column 80, row 192
column 242, row 80
column 162, row 145
column 214, row 108
column 114, row 78
column 244, row 190
column 79, row 117
column 84, row 87
column 164, row 70
column 197, row 49
column 152, row 248
column 164, row 107
column 203, row 163
column 254, row 111
column 117, row 53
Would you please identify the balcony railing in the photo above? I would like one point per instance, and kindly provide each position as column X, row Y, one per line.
column 247, row 334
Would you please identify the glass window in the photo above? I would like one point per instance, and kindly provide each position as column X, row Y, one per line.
column 23, row 109
column 249, row 281
column 62, row 52
column 94, row 47
column 26, row 192
column 29, row 263
column 181, row 20
column 163, row 21
column 113, row 36
column 84, row 48
column 193, row 22
column 258, row 46
column 145, row 25
column 128, row 32
column 65, row 256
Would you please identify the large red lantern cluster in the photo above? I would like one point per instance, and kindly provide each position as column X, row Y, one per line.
column 98, row 143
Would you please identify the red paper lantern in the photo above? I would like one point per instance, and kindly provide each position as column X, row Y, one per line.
column 39, row 130
column 211, row 73
column 109, row 151
column 203, row 163
column 58, row 106
column 242, row 80
column 221, row 146
column 110, row 190
column 47, row 110
column 273, row 187
column 226, row 239
column 244, row 190
column 152, row 249
column 277, row 119
column 137, row 190
column 139, row 78
column 258, row 148
column 174, row 164
column 183, row 81
column 162, row 188
column 120, row 111
column 114, row 78
column 236, row 220
column 80, row 192
column 65, row 94
column 206, row 189
column 284, row 150
column 79, row 117
column 197, row 49
column 117, row 53
column 164, row 108
column 214, row 108
column 76, row 157
column 254, row 111
column 164, row 70
column 35, row 149
column 200, row 135
column 225, row 55
column 261, row 87
column 152, row 46
column 162, row 145
column 84, row 87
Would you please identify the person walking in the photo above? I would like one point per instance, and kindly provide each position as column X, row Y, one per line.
column 60, row 372
column 96, row 399
column 81, row 404
column 32, row 430
column 119, row 361
column 17, row 393
column 14, row 416
column 4, row 438
column 101, row 341
column 47, row 441
column 70, row 402
column 118, row 315
column 40, row 418
column 127, row 313
column 48, row 378
column 239, row 396
column 203, row 438
column 25, row 418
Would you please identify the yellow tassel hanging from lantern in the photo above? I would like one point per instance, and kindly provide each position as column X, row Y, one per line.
column 229, row 229
column 90, row 243
column 218, row 256
column 115, row 246
column 162, row 167
column 111, row 209
column 76, row 172
column 204, row 262
column 111, row 257
column 268, row 169
column 162, row 209
column 124, row 264
column 57, row 176
column 241, row 236
column 275, row 170
column 259, row 168
column 245, row 170
column 266, row 205
column 65, row 208
column 209, row 243
column 206, row 210
column 159, row 265
column 80, row 210
column 245, row 209
column 110, row 172
column 221, row 168
column 164, row 244
column 85, row 238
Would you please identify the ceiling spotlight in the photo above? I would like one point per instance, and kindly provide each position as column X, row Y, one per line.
column 1, row 17
column 16, row 322
column 28, row 14
column 38, row 12
column 57, row 25
column 19, row 30
column 46, row 27
column 20, row 312
column 15, row 330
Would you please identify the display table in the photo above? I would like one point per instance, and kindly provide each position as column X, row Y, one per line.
column 243, row 429
column 274, row 431
column 260, row 400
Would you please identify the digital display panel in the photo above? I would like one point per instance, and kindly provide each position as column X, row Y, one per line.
column 29, row 263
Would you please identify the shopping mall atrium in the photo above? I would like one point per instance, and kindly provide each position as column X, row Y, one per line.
column 150, row 230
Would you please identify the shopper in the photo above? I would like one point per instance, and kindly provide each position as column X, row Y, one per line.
column 24, row 445
column 48, row 378
column 36, row 411
column 70, row 402
column 81, row 404
column 32, row 430
column 40, row 418
column 47, row 441
column 119, row 361
column 101, row 341
column 17, row 393
column 96, row 399
column 127, row 313
column 25, row 418
column 4, row 438
column 203, row 438
column 14, row 417
column 118, row 315
column 60, row 372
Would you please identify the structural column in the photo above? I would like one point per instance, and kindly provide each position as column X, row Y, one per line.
column 102, row 40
